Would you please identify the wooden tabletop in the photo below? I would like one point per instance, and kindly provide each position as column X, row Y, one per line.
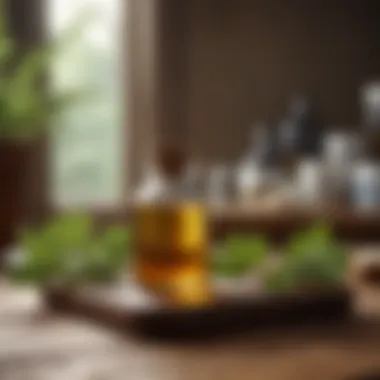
column 39, row 346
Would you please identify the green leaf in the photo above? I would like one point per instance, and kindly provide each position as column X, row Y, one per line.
column 312, row 258
column 75, row 228
column 239, row 255
column 117, row 240
column 69, row 250
column 6, row 51
column 26, row 109
column 318, row 238
column 39, row 264
column 279, row 280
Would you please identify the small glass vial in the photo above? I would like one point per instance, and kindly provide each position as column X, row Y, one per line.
column 365, row 186
column 309, row 183
column 172, row 240
column 299, row 134
column 341, row 149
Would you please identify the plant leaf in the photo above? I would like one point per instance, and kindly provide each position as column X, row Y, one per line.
column 25, row 108
column 239, row 255
column 70, row 251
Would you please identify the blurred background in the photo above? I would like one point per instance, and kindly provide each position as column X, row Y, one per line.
column 205, row 76
column 274, row 106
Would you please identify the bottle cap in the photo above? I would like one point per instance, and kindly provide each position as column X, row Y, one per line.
column 171, row 161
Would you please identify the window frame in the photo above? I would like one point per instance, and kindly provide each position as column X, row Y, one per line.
column 121, row 128
column 156, row 48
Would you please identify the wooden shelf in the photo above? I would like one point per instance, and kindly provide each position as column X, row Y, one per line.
column 278, row 224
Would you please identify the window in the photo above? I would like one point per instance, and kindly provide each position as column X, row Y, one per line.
column 86, row 152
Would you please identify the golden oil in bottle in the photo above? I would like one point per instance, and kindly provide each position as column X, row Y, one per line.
column 171, row 235
column 171, row 248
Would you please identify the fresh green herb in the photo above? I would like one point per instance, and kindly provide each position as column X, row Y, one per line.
column 25, row 109
column 240, row 254
column 312, row 259
column 69, row 251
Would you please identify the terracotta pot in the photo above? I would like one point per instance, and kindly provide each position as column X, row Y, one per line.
column 13, row 159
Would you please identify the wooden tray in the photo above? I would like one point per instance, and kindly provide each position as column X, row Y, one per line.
column 226, row 316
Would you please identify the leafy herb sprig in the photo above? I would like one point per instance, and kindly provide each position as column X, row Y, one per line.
column 69, row 251
column 26, row 109
column 312, row 258
column 239, row 255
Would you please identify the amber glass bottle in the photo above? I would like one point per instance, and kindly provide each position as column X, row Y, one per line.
column 171, row 240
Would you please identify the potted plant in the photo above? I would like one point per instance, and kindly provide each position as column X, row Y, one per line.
column 26, row 111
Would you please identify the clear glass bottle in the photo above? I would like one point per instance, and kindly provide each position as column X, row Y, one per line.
column 264, row 149
column 370, row 103
column 300, row 134
column 366, row 172
column 171, row 239
column 251, row 171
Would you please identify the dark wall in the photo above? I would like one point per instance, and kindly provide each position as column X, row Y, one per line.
column 246, row 58
column 25, row 20
column 26, row 24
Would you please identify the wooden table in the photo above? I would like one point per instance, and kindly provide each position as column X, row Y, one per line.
column 39, row 346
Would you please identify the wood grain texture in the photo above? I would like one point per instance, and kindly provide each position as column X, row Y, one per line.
column 48, row 347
